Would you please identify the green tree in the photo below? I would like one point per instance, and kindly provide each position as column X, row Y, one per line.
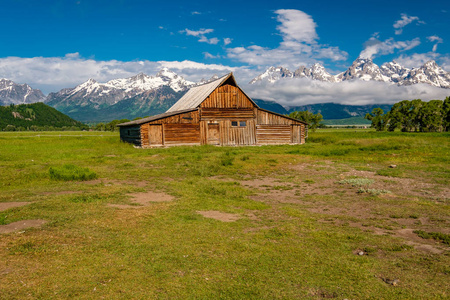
column 446, row 114
column 100, row 127
column 312, row 119
column 378, row 118
column 430, row 116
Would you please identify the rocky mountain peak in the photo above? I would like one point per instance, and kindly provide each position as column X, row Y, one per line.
column 13, row 93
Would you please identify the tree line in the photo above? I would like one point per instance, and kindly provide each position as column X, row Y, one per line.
column 413, row 116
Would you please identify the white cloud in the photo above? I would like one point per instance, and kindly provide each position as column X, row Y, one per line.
column 209, row 55
column 436, row 39
column 298, row 46
column 227, row 41
column 405, row 20
column 296, row 26
column 198, row 33
column 50, row 74
column 201, row 35
column 300, row 91
column 375, row 47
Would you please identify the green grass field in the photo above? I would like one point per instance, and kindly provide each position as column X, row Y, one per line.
column 332, row 218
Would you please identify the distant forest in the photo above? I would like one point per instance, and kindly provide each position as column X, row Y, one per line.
column 36, row 117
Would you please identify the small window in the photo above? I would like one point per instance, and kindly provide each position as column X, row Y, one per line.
column 238, row 123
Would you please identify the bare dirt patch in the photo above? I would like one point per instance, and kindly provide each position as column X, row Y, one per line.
column 20, row 225
column 403, row 186
column 8, row 205
column 110, row 182
column 316, row 188
column 144, row 199
column 221, row 216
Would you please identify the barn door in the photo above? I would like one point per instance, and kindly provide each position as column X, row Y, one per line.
column 296, row 134
column 155, row 134
column 213, row 134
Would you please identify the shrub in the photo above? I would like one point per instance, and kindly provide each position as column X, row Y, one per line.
column 357, row 181
column 71, row 172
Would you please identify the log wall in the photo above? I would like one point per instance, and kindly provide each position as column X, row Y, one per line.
column 175, row 134
column 273, row 134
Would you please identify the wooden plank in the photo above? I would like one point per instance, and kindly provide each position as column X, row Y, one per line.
column 226, row 113
column 182, row 134
column 273, row 134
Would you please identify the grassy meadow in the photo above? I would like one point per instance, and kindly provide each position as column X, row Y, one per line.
column 351, row 214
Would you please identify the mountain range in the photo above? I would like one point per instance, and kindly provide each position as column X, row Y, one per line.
column 136, row 96
column 143, row 95
column 364, row 69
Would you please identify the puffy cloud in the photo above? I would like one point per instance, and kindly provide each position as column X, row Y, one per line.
column 296, row 25
column 374, row 47
column 299, row 44
column 301, row 91
column 227, row 41
column 405, row 20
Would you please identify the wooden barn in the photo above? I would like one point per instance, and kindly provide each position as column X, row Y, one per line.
column 215, row 113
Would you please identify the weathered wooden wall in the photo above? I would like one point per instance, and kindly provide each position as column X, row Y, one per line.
column 226, row 113
column 274, row 134
column 131, row 135
column 177, row 134
column 227, row 96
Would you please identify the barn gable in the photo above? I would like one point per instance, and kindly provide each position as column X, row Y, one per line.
column 218, row 113
column 207, row 92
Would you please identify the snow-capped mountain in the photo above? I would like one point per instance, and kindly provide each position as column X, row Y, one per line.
column 98, row 94
column 13, row 93
column 142, row 93
column 429, row 73
column 364, row 69
column 273, row 74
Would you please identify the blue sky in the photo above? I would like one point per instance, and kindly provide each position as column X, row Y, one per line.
column 55, row 44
